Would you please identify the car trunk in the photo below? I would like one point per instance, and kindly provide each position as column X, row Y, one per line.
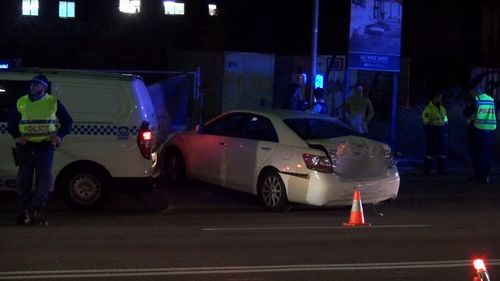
column 356, row 157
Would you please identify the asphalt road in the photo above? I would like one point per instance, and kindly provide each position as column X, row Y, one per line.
column 201, row 232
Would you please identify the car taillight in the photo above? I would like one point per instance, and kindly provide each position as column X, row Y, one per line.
column 144, row 140
column 388, row 156
column 318, row 163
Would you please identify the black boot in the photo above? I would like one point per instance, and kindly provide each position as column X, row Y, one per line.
column 441, row 165
column 427, row 166
column 23, row 219
column 37, row 219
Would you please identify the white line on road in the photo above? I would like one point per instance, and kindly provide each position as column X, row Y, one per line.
column 311, row 227
column 94, row 273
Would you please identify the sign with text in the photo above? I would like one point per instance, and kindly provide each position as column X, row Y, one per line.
column 375, row 35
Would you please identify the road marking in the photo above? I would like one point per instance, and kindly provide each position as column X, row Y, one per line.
column 95, row 273
column 311, row 227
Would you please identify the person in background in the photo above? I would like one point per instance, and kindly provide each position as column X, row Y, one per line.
column 359, row 109
column 435, row 121
column 294, row 99
column 33, row 126
column 299, row 77
column 482, row 122
column 319, row 105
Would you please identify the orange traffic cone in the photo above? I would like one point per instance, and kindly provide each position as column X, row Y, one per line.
column 356, row 218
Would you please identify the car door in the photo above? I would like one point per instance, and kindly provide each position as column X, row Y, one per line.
column 247, row 153
column 208, row 154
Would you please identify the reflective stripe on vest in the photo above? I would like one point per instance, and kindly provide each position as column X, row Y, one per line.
column 485, row 118
column 38, row 118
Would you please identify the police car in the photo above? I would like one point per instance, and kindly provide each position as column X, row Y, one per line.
column 114, row 136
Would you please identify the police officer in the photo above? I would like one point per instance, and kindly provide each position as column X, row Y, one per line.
column 436, row 122
column 482, row 124
column 33, row 126
column 319, row 105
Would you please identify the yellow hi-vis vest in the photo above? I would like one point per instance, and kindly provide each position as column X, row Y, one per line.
column 38, row 118
column 434, row 116
column 485, row 117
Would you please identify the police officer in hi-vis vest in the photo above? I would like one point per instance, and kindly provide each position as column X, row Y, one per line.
column 33, row 125
column 482, row 124
column 436, row 122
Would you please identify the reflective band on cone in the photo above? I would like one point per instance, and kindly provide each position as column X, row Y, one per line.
column 356, row 218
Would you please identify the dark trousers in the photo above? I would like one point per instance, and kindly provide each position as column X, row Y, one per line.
column 436, row 147
column 480, row 149
column 34, row 177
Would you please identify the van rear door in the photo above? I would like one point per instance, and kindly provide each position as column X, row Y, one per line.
column 153, row 113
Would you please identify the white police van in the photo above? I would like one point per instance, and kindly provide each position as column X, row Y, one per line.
column 114, row 136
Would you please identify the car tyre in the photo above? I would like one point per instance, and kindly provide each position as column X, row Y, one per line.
column 84, row 187
column 175, row 170
column 272, row 191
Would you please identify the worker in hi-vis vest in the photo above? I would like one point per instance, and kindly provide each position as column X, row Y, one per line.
column 482, row 121
column 436, row 124
column 33, row 125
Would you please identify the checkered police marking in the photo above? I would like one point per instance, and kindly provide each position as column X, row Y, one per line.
column 104, row 130
column 122, row 132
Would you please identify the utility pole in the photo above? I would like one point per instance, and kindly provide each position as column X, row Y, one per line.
column 314, row 49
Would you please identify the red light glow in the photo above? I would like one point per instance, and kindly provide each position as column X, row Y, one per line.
column 147, row 135
column 479, row 264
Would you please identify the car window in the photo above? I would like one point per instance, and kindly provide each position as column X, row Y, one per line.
column 260, row 128
column 312, row 128
column 10, row 92
column 230, row 125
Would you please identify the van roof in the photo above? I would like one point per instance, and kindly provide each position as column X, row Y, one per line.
column 76, row 73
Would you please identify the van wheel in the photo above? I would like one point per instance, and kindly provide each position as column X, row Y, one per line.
column 272, row 191
column 175, row 170
column 84, row 187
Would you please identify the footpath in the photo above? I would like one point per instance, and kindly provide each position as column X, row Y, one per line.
column 455, row 186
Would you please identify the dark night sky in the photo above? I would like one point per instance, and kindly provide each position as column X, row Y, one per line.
column 441, row 38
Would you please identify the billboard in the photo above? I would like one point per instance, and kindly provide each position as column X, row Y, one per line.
column 375, row 35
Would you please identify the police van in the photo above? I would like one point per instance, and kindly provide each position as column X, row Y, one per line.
column 115, row 131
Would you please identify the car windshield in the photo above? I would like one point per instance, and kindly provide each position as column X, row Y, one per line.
column 315, row 128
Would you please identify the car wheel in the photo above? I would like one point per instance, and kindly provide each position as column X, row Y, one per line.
column 272, row 191
column 84, row 187
column 175, row 172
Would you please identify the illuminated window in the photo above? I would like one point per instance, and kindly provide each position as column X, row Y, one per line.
column 30, row 7
column 66, row 9
column 212, row 9
column 173, row 8
column 130, row 6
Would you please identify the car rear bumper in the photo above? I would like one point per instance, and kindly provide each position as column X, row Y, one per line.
column 322, row 189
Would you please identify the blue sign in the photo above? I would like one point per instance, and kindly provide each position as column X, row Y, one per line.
column 375, row 35
column 318, row 82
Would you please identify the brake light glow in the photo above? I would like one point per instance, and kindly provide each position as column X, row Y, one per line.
column 144, row 140
column 318, row 163
column 147, row 135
